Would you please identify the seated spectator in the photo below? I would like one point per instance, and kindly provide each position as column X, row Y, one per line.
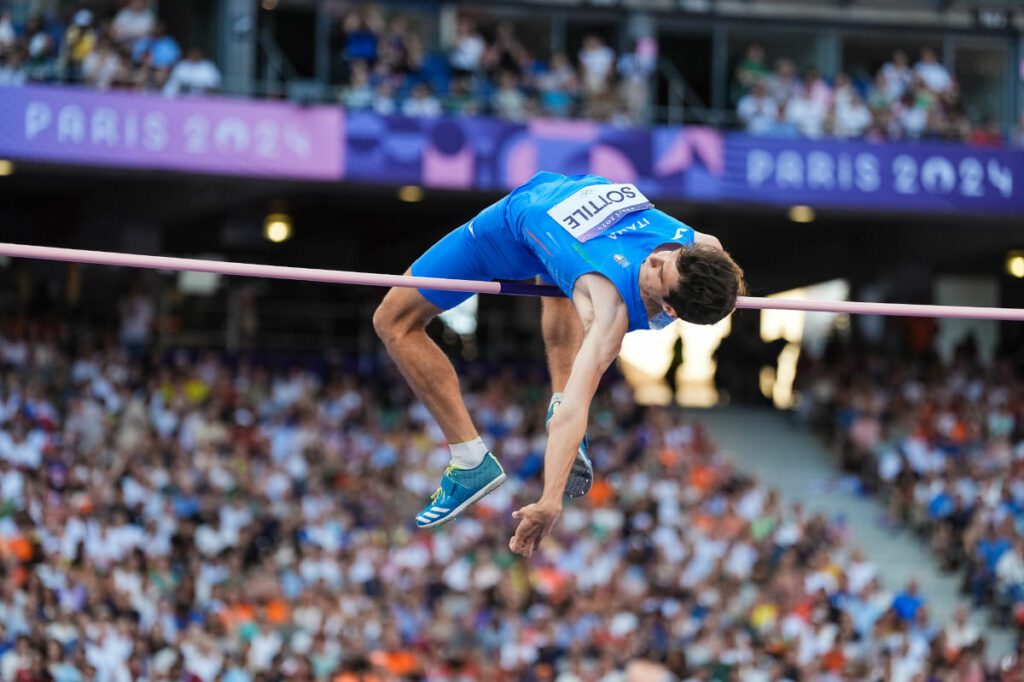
column 935, row 76
column 12, row 66
column 421, row 103
column 897, row 74
column 398, row 51
column 358, row 94
column 758, row 112
column 384, row 98
column 879, row 95
column 103, row 66
column 509, row 102
column 462, row 100
column 807, row 113
column 911, row 114
column 194, row 75
column 559, row 86
column 468, row 49
column 133, row 22
column 597, row 62
column 782, row 84
column 852, row 117
column 163, row 50
column 79, row 41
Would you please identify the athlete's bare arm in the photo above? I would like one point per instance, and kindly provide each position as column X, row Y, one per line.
column 605, row 322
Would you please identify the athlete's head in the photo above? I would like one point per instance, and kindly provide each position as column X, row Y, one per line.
column 698, row 283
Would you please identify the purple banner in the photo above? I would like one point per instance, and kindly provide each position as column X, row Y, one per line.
column 922, row 177
column 236, row 137
column 200, row 135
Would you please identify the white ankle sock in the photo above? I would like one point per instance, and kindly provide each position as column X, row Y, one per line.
column 468, row 455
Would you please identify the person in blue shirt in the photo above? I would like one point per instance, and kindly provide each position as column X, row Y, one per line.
column 622, row 265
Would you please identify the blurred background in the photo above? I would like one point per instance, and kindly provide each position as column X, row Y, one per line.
column 213, row 478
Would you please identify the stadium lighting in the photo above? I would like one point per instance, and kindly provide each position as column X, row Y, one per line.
column 801, row 214
column 410, row 193
column 1015, row 264
column 277, row 227
column 6, row 167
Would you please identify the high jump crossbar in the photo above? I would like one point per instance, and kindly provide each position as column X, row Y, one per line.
column 132, row 260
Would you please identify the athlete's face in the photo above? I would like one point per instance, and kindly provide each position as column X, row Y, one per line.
column 662, row 277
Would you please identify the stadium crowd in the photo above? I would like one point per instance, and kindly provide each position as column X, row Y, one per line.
column 944, row 444
column 387, row 70
column 904, row 102
column 180, row 517
column 126, row 48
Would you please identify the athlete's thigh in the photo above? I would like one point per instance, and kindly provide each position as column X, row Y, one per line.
column 483, row 249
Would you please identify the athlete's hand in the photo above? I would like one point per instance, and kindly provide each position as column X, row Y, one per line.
column 535, row 522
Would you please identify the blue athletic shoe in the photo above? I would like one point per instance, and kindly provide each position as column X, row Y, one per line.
column 459, row 489
column 581, row 478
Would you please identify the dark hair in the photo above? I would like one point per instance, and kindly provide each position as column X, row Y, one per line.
column 709, row 282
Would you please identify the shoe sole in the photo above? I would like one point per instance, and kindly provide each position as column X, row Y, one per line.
column 490, row 488
column 581, row 478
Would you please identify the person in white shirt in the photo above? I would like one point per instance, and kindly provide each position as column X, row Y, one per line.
column 757, row 110
column 468, row 49
column 935, row 75
column 133, row 22
column 897, row 75
column 596, row 63
column 852, row 116
column 195, row 74
column 807, row 114
column 421, row 103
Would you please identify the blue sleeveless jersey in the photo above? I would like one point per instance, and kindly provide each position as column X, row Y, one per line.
column 581, row 224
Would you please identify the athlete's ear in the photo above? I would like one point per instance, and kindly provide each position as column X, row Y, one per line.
column 669, row 310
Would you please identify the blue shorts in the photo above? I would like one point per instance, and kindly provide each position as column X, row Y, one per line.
column 484, row 249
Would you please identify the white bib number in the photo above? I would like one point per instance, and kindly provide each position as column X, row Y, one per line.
column 594, row 209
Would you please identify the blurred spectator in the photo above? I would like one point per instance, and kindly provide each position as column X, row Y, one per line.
column 132, row 22
column 421, row 103
column 194, row 75
column 384, row 98
column 912, row 115
column 79, row 41
column 807, row 111
column 559, row 86
column 935, row 76
column 897, row 75
column 509, row 101
column 852, row 116
column 782, row 84
column 362, row 29
column 103, row 66
column 12, row 67
column 462, row 100
column 468, row 50
column 399, row 51
column 597, row 62
column 8, row 36
column 635, row 70
column 358, row 94
column 163, row 50
column 137, row 313
column 758, row 112
column 751, row 69
column 41, row 62
column 507, row 53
